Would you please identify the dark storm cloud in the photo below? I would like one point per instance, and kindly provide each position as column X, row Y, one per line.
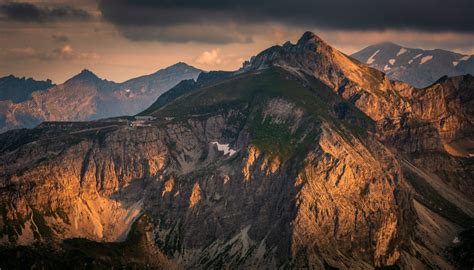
column 178, row 34
column 28, row 12
column 425, row 15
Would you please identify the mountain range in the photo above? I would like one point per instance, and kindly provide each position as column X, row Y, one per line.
column 86, row 97
column 20, row 89
column 416, row 67
column 304, row 158
column 25, row 102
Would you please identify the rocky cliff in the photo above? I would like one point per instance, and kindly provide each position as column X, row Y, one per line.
column 304, row 158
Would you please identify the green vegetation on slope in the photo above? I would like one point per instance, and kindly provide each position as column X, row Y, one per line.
column 249, row 92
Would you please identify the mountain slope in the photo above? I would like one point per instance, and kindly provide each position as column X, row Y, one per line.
column 162, row 80
column 185, row 87
column 417, row 67
column 87, row 97
column 20, row 89
column 272, row 129
column 302, row 159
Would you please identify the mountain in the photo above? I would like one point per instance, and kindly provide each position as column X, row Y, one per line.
column 185, row 87
column 303, row 158
column 164, row 79
column 87, row 97
column 20, row 89
column 417, row 67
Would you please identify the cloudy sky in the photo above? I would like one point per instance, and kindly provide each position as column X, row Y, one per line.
column 120, row 39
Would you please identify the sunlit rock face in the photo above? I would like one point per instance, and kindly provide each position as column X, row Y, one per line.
column 302, row 159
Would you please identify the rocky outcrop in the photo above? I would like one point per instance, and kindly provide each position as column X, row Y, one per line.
column 348, row 206
column 74, row 191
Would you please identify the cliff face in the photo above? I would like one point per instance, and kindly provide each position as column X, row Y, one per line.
column 71, row 187
column 253, row 201
column 268, row 167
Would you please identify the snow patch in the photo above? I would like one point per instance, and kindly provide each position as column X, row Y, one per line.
column 224, row 148
column 418, row 55
column 411, row 61
column 456, row 240
column 392, row 61
column 386, row 68
column 455, row 63
column 401, row 51
column 465, row 58
column 426, row 59
column 371, row 58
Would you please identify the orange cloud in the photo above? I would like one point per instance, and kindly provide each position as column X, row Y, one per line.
column 209, row 58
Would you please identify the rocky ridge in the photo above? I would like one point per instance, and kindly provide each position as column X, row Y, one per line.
column 20, row 89
column 87, row 97
column 416, row 67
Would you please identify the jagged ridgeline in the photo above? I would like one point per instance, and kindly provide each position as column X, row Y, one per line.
column 25, row 103
column 304, row 158
column 416, row 67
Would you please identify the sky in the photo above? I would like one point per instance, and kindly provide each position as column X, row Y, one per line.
column 122, row 39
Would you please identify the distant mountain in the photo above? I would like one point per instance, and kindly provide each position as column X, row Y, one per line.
column 20, row 89
column 417, row 67
column 186, row 87
column 88, row 97
column 164, row 79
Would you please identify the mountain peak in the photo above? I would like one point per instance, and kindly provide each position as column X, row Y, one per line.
column 288, row 52
column 85, row 74
column 309, row 36
column 312, row 55
column 387, row 43
column 180, row 66
column 311, row 42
